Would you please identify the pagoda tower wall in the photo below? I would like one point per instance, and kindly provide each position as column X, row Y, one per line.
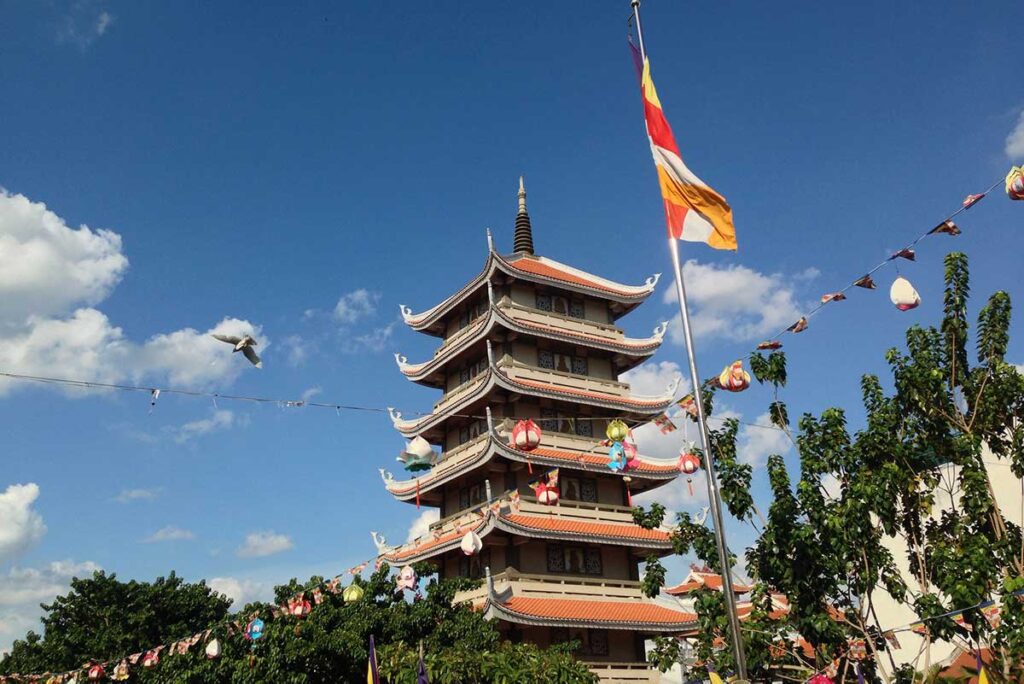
column 531, row 338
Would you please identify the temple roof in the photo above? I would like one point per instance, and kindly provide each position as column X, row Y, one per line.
column 563, row 612
column 536, row 269
column 703, row 579
column 649, row 473
column 505, row 314
column 514, row 376
column 530, row 520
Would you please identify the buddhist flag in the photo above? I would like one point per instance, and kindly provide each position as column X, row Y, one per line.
column 714, row 676
column 693, row 211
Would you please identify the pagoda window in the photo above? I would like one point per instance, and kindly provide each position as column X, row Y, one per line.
column 591, row 642
column 472, row 431
column 569, row 423
column 472, row 495
column 544, row 302
column 579, row 489
column 560, row 305
column 574, row 560
column 577, row 309
column 471, row 313
column 563, row 363
column 472, row 370
column 473, row 566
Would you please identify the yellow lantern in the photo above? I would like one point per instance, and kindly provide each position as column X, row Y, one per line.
column 617, row 430
column 352, row 593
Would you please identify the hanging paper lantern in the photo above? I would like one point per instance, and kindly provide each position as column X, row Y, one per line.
column 352, row 593
column 406, row 578
column 151, row 659
column 121, row 672
column 213, row 649
column 471, row 543
column 254, row 630
column 546, row 488
column 733, row 378
column 857, row 649
column 418, row 455
column 96, row 673
column 903, row 294
column 617, row 457
column 820, row 678
column 632, row 457
column 299, row 607
column 617, row 430
column 525, row 435
column 689, row 463
column 1015, row 183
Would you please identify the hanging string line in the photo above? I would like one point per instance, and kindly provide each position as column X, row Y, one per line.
column 292, row 403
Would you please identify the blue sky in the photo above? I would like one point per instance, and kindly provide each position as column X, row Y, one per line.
column 304, row 168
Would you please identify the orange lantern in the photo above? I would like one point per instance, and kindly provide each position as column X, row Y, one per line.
column 689, row 464
column 525, row 435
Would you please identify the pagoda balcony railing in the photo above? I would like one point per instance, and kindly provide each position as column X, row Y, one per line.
column 517, row 370
column 578, row 510
column 557, row 321
column 460, row 391
column 473, row 327
column 628, row 673
column 555, row 585
column 562, row 441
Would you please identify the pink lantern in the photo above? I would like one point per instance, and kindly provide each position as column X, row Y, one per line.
column 525, row 435
column 96, row 673
column 689, row 463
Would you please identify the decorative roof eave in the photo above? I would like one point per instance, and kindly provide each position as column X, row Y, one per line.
column 637, row 349
column 704, row 580
column 494, row 377
column 546, row 272
column 652, row 472
column 550, row 272
column 497, row 607
column 424, row 549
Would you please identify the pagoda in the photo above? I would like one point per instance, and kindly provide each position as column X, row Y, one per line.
column 532, row 338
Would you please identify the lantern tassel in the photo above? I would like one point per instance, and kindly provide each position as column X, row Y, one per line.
column 689, row 484
column 529, row 465
column 417, row 494
column 629, row 497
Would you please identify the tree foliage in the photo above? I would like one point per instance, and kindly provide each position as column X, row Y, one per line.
column 913, row 472
column 329, row 645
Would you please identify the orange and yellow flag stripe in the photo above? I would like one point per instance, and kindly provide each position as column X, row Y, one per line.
column 693, row 210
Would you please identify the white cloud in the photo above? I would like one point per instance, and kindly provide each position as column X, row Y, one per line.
column 83, row 24
column 220, row 419
column 259, row 544
column 23, row 589
column 241, row 591
column 421, row 524
column 734, row 302
column 20, row 525
column 311, row 392
column 169, row 533
column 375, row 340
column 1015, row 140
column 755, row 444
column 297, row 349
column 652, row 379
column 356, row 305
column 52, row 275
column 129, row 495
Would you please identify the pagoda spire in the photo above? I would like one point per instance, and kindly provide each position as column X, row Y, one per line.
column 523, row 240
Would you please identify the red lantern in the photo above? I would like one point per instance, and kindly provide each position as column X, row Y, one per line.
column 151, row 659
column 525, row 435
column 689, row 464
column 96, row 673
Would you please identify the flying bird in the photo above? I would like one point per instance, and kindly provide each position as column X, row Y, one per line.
column 243, row 344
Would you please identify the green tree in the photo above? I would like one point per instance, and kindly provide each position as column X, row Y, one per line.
column 331, row 644
column 822, row 541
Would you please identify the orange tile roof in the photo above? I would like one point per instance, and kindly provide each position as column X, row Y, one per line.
column 596, row 611
column 599, row 459
column 409, row 550
column 548, row 270
column 592, row 395
column 596, row 529
column 705, row 580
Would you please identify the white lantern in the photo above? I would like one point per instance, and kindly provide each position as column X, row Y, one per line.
column 903, row 294
column 471, row 543
column 213, row 649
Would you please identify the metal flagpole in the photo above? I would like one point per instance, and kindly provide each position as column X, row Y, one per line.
column 709, row 468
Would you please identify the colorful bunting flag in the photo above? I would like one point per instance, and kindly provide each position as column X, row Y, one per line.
column 890, row 636
column 372, row 675
column 947, row 227
column 982, row 675
column 905, row 253
column 971, row 200
column 832, row 297
column 866, row 282
column 693, row 211
column 961, row 621
column 665, row 424
column 992, row 614
column 769, row 345
column 799, row 326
